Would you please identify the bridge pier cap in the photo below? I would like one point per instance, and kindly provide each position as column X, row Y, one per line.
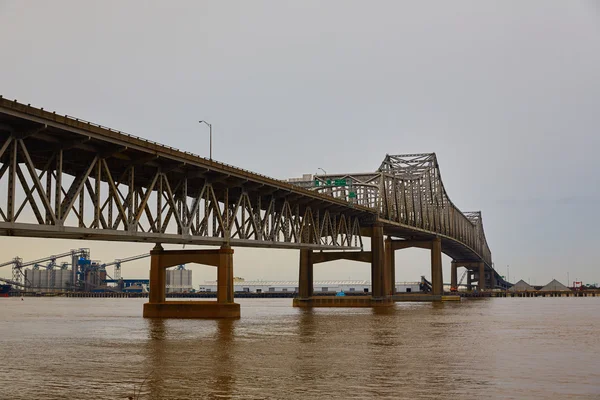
column 159, row 307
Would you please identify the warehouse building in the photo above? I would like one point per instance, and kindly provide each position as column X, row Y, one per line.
column 319, row 286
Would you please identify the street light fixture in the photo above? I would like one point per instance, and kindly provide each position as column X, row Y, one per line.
column 322, row 170
column 210, row 132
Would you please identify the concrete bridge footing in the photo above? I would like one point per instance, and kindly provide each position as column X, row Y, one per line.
column 382, row 260
column 381, row 276
column 160, row 260
column 473, row 268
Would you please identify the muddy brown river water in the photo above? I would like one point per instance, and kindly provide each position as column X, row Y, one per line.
column 506, row 348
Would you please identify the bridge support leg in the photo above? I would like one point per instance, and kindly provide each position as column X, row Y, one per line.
column 305, row 281
column 453, row 276
column 390, row 258
column 160, row 260
column 437, row 279
column 481, row 282
column 469, row 277
column 225, row 276
column 378, row 264
column 158, row 277
column 380, row 276
column 492, row 285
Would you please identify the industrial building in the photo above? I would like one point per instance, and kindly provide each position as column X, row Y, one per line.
column 90, row 275
column 48, row 280
column 179, row 280
column 87, row 275
column 319, row 286
column 81, row 274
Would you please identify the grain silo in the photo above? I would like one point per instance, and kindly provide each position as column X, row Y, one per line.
column 179, row 280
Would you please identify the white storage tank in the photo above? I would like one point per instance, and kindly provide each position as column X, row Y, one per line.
column 47, row 280
column 179, row 280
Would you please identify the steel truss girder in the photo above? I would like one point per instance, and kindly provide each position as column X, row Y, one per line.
column 97, row 202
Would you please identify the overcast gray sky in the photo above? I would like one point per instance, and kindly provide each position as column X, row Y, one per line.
column 507, row 93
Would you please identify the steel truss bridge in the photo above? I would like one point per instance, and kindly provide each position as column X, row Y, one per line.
column 63, row 177
column 410, row 199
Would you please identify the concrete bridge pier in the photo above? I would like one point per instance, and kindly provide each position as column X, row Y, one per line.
column 469, row 278
column 305, row 281
column 453, row 275
column 381, row 275
column 380, row 266
column 472, row 268
column 435, row 246
column 390, row 259
column 481, row 277
column 492, row 280
column 437, row 278
column 160, row 260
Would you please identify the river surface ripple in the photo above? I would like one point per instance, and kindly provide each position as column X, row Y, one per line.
column 512, row 348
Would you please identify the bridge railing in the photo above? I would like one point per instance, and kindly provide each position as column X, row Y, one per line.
column 163, row 145
column 100, row 126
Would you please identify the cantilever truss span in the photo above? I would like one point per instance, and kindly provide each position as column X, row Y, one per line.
column 63, row 177
column 407, row 190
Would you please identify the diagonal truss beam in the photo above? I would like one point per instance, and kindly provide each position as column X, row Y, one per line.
column 74, row 196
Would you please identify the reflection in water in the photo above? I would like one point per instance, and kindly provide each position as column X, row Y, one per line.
column 156, row 328
column 306, row 366
column 501, row 348
column 213, row 367
column 153, row 379
column 306, row 325
column 224, row 366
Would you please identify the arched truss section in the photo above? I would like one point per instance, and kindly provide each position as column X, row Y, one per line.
column 362, row 189
column 408, row 189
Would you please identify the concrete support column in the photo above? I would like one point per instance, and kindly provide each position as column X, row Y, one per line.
column 160, row 260
column 74, row 269
column 390, row 267
column 453, row 277
column 437, row 279
column 305, row 281
column 158, row 276
column 469, row 277
column 481, row 277
column 225, row 275
column 378, row 274
column 492, row 280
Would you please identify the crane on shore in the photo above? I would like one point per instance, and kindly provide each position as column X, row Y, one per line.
column 117, row 263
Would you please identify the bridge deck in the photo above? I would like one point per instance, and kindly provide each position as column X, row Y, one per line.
column 132, row 171
column 86, row 181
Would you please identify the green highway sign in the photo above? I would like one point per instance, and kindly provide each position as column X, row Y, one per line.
column 329, row 182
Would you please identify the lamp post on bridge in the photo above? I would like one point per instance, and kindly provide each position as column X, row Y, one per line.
column 316, row 183
column 210, row 133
